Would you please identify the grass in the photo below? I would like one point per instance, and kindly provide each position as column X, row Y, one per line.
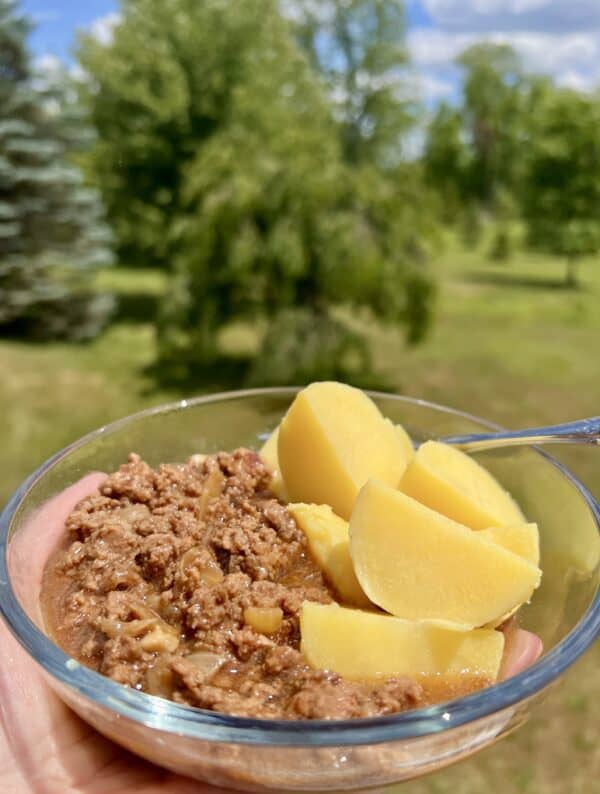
column 509, row 343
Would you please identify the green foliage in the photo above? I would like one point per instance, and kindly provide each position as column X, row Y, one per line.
column 501, row 247
column 303, row 345
column 473, row 153
column 446, row 160
column 471, row 225
column 221, row 161
column 517, row 145
column 357, row 46
column 561, row 188
column 52, row 236
column 493, row 89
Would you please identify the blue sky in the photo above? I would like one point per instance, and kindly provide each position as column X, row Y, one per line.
column 557, row 37
column 57, row 21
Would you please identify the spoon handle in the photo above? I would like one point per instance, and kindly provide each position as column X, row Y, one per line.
column 583, row 431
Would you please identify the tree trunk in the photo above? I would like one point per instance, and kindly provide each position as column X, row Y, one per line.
column 571, row 274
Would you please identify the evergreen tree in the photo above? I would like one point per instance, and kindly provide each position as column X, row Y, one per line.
column 52, row 235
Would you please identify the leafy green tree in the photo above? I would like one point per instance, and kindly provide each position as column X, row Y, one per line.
column 220, row 159
column 472, row 156
column 447, row 160
column 358, row 48
column 561, row 187
column 493, row 91
column 52, row 234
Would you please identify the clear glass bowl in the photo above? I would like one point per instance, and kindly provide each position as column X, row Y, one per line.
column 263, row 755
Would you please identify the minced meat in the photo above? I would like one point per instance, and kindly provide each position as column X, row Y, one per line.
column 153, row 585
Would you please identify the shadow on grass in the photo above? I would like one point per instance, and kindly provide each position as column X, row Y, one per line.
column 129, row 308
column 514, row 280
column 223, row 374
column 135, row 307
column 235, row 372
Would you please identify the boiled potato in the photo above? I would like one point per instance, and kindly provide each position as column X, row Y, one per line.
column 418, row 564
column 366, row 646
column 265, row 620
column 445, row 479
column 268, row 453
column 405, row 441
column 332, row 439
column 329, row 544
column 522, row 539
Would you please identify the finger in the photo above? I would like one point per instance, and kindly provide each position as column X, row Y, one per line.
column 37, row 539
column 23, row 692
column 522, row 649
column 41, row 740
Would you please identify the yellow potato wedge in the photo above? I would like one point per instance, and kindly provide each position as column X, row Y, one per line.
column 332, row 439
column 268, row 453
column 522, row 539
column 417, row 564
column 453, row 483
column 406, row 442
column 329, row 544
column 366, row 646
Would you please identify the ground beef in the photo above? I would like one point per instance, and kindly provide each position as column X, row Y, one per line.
column 156, row 575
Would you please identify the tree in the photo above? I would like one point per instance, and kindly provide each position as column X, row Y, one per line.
column 220, row 160
column 561, row 186
column 358, row 48
column 446, row 160
column 493, row 87
column 472, row 155
column 52, row 234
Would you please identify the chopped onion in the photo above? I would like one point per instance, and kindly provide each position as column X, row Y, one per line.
column 208, row 571
column 211, row 488
column 159, row 678
column 206, row 662
column 125, row 628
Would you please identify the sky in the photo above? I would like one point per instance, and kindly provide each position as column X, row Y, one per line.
column 556, row 37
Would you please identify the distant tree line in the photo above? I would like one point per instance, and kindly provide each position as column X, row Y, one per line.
column 256, row 152
column 518, row 146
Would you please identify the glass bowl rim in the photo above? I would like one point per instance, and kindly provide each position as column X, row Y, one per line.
column 165, row 715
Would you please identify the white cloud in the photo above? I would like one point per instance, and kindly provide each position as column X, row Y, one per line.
column 318, row 9
column 555, row 54
column 431, row 88
column 49, row 66
column 102, row 29
column 78, row 73
column 413, row 142
column 506, row 15
column 578, row 81
column 573, row 59
column 48, row 63
column 434, row 47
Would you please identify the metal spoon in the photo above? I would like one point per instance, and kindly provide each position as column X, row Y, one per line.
column 583, row 431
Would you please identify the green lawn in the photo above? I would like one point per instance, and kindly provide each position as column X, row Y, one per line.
column 508, row 344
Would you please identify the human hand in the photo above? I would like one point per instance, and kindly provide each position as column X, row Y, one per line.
column 45, row 747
